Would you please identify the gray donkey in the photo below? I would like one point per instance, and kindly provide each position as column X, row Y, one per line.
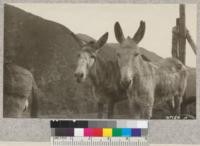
column 144, row 81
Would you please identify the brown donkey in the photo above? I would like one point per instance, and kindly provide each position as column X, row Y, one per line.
column 20, row 92
column 144, row 81
column 100, row 65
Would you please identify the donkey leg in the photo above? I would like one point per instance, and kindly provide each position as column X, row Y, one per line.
column 110, row 109
column 147, row 113
column 148, row 108
column 134, row 110
column 171, row 105
column 131, row 110
column 100, row 110
column 178, row 102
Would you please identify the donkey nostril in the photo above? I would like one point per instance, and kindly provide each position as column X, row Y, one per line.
column 81, row 75
column 78, row 75
column 126, row 83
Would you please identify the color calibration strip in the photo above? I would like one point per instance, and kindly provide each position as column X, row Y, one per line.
column 100, row 128
column 99, row 132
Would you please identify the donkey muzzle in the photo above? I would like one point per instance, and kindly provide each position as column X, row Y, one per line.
column 79, row 77
column 125, row 83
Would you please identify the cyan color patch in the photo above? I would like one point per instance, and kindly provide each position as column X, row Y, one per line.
column 126, row 132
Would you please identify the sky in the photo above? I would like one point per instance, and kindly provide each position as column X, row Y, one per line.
column 96, row 19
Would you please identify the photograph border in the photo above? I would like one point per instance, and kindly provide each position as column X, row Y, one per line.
column 160, row 131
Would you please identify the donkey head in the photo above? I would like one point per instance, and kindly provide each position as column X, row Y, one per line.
column 129, row 52
column 87, row 57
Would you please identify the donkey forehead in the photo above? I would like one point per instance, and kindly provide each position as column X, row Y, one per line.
column 84, row 53
column 129, row 43
column 89, row 46
column 87, row 50
column 127, row 51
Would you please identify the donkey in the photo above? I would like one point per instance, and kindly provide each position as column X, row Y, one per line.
column 20, row 92
column 98, row 62
column 144, row 81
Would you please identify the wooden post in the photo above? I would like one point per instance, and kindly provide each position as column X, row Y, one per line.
column 182, row 34
column 179, row 36
column 191, row 42
column 174, row 42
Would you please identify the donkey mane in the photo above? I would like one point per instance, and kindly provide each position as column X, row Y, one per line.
column 90, row 46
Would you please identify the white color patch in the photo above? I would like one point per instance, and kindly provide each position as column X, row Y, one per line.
column 142, row 124
column 78, row 132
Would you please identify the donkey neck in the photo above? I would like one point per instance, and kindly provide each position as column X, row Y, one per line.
column 97, row 71
column 104, row 72
column 143, row 68
column 93, row 72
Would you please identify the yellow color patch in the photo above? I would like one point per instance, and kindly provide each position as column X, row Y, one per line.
column 107, row 132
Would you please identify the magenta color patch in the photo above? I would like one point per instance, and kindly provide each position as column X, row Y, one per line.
column 88, row 132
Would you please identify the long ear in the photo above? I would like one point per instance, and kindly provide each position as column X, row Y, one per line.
column 119, row 33
column 102, row 40
column 140, row 32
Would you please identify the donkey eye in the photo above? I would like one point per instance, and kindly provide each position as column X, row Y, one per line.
column 118, row 55
column 93, row 56
column 136, row 54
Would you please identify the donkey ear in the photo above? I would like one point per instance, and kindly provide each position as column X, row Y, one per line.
column 119, row 33
column 102, row 40
column 140, row 32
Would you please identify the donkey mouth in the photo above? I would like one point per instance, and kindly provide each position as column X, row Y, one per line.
column 79, row 80
column 79, row 77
